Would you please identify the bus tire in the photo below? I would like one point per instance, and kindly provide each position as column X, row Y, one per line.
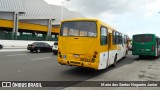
column 1, row 47
column 115, row 61
column 140, row 56
column 126, row 52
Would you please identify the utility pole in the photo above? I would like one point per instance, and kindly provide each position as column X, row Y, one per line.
column 62, row 11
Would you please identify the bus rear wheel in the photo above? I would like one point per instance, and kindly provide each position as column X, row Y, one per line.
column 126, row 52
column 115, row 61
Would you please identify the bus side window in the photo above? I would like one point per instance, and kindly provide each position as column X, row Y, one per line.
column 117, row 41
column 159, row 42
column 114, row 40
column 103, row 38
column 125, row 39
column 113, row 37
column 122, row 40
column 119, row 38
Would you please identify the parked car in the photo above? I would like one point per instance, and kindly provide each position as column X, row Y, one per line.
column 1, row 46
column 55, row 48
column 39, row 47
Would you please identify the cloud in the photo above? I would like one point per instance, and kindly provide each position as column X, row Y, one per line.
column 97, row 7
column 111, row 8
column 130, row 16
column 152, row 8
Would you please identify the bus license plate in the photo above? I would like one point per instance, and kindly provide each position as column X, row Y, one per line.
column 142, row 50
column 75, row 55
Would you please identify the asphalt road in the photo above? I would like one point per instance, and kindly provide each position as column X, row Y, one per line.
column 26, row 66
column 23, row 66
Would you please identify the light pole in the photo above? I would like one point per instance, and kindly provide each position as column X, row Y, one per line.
column 63, row 8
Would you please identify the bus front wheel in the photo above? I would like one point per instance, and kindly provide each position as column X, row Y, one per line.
column 141, row 56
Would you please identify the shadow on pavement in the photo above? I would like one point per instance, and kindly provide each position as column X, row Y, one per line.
column 90, row 73
column 147, row 58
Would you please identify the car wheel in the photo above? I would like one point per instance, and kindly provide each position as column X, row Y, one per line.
column 1, row 46
column 38, row 50
column 31, row 51
column 141, row 56
column 55, row 53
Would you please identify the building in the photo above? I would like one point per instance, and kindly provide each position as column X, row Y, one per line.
column 31, row 20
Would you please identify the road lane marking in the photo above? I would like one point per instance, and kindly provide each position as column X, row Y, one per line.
column 16, row 55
column 12, row 50
column 40, row 58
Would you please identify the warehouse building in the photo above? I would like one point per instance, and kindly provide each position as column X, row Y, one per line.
column 31, row 20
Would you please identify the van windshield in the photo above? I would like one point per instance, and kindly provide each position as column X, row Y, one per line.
column 79, row 29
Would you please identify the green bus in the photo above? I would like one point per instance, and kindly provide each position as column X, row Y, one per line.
column 146, row 45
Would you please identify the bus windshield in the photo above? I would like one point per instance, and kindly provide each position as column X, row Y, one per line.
column 79, row 29
column 143, row 38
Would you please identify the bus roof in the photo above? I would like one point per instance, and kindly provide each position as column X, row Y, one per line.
column 80, row 19
column 147, row 34
column 88, row 19
column 144, row 34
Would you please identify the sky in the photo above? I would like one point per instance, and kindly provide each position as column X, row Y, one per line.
column 127, row 16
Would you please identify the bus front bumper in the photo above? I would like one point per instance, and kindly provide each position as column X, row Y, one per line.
column 143, row 53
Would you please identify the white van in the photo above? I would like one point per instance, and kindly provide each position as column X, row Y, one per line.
column 55, row 48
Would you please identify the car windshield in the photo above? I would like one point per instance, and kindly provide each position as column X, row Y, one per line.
column 79, row 28
column 38, row 43
column 143, row 38
column 35, row 43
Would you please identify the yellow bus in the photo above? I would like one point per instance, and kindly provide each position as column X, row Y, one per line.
column 90, row 43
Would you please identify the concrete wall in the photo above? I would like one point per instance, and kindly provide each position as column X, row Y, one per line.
column 20, row 43
column 40, row 21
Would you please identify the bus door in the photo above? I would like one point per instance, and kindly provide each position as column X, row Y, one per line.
column 109, row 49
column 109, row 41
column 104, row 48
